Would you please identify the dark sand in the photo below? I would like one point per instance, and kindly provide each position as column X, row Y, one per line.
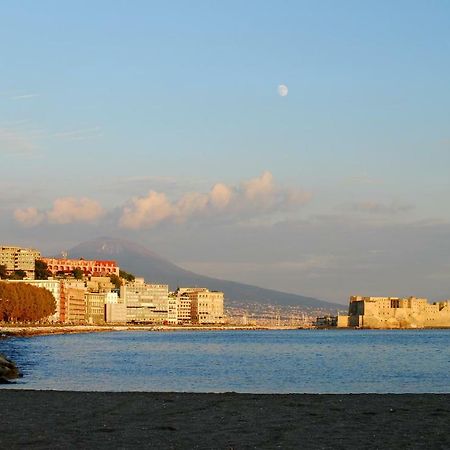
column 47, row 420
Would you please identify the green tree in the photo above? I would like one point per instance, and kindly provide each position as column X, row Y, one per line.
column 115, row 280
column 41, row 271
column 77, row 273
column 3, row 272
column 127, row 276
column 18, row 275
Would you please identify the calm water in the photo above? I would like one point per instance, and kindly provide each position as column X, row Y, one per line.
column 242, row 361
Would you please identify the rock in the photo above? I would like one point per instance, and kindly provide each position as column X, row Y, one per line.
column 8, row 370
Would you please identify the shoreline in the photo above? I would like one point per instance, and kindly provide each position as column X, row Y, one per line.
column 44, row 330
column 63, row 419
column 47, row 330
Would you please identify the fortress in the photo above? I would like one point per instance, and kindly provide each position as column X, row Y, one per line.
column 395, row 312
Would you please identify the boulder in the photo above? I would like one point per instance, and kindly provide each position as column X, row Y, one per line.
column 8, row 370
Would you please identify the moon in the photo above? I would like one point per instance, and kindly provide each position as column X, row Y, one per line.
column 282, row 90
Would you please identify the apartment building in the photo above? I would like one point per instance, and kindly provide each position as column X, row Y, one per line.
column 196, row 306
column 18, row 258
column 95, row 307
column 73, row 303
column 145, row 302
column 206, row 306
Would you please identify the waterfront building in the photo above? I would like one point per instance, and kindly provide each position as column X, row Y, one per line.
column 73, row 303
column 95, row 307
column 184, row 303
column 88, row 267
column 145, row 302
column 172, row 308
column 396, row 312
column 116, row 312
column 206, row 306
column 197, row 306
column 18, row 258
column 326, row 322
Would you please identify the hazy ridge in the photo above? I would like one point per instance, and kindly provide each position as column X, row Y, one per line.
column 141, row 261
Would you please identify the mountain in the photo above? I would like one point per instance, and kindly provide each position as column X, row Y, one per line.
column 140, row 261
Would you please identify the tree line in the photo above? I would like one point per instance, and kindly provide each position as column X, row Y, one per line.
column 21, row 302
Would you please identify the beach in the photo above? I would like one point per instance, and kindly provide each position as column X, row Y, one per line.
column 41, row 330
column 51, row 419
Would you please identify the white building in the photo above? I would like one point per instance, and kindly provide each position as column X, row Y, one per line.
column 145, row 302
column 196, row 306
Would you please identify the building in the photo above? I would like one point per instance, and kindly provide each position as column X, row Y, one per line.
column 326, row 322
column 88, row 267
column 99, row 284
column 18, row 258
column 54, row 286
column 183, row 307
column 95, row 307
column 116, row 312
column 145, row 302
column 206, row 306
column 73, row 303
column 396, row 312
column 138, row 291
column 196, row 306
column 172, row 309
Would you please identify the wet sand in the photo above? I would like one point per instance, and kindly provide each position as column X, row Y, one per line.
column 48, row 419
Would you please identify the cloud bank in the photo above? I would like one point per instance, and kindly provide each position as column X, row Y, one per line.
column 253, row 197
column 65, row 210
column 257, row 197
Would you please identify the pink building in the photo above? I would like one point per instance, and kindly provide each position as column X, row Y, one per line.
column 89, row 267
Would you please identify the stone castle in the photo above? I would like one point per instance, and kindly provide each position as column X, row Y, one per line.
column 395, row 312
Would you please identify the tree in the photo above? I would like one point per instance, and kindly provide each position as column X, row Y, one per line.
column 21, row 302
column 77, row 273
column 18, row 275
column 41, row 271
column 3, row 272
column 115, row 280
column 127, row 276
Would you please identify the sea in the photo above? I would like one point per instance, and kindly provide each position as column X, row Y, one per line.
column 278, row 361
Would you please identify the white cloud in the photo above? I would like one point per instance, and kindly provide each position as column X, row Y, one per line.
column 146, row 211
column 260, row 189
column 28, row 217
column 65, row 210
column 25, row 96
column 221, row 195
column 257, row 196
column 69, row 209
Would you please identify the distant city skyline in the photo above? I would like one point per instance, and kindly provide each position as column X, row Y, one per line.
column 165, row 124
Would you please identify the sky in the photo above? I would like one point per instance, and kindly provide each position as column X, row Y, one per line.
column 162, row 123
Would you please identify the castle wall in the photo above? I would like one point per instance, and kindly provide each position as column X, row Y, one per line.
column 394, row 312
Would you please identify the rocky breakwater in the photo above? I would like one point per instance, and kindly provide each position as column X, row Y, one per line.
column 8, row 370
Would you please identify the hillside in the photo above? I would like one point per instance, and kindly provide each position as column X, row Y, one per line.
column 141, row 261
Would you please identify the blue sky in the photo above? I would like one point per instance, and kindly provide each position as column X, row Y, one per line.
column 108, row 101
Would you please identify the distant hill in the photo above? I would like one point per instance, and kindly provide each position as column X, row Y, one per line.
column 137, row 259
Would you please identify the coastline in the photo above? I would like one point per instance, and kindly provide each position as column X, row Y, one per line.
column 33, row 330
column 57, row 419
